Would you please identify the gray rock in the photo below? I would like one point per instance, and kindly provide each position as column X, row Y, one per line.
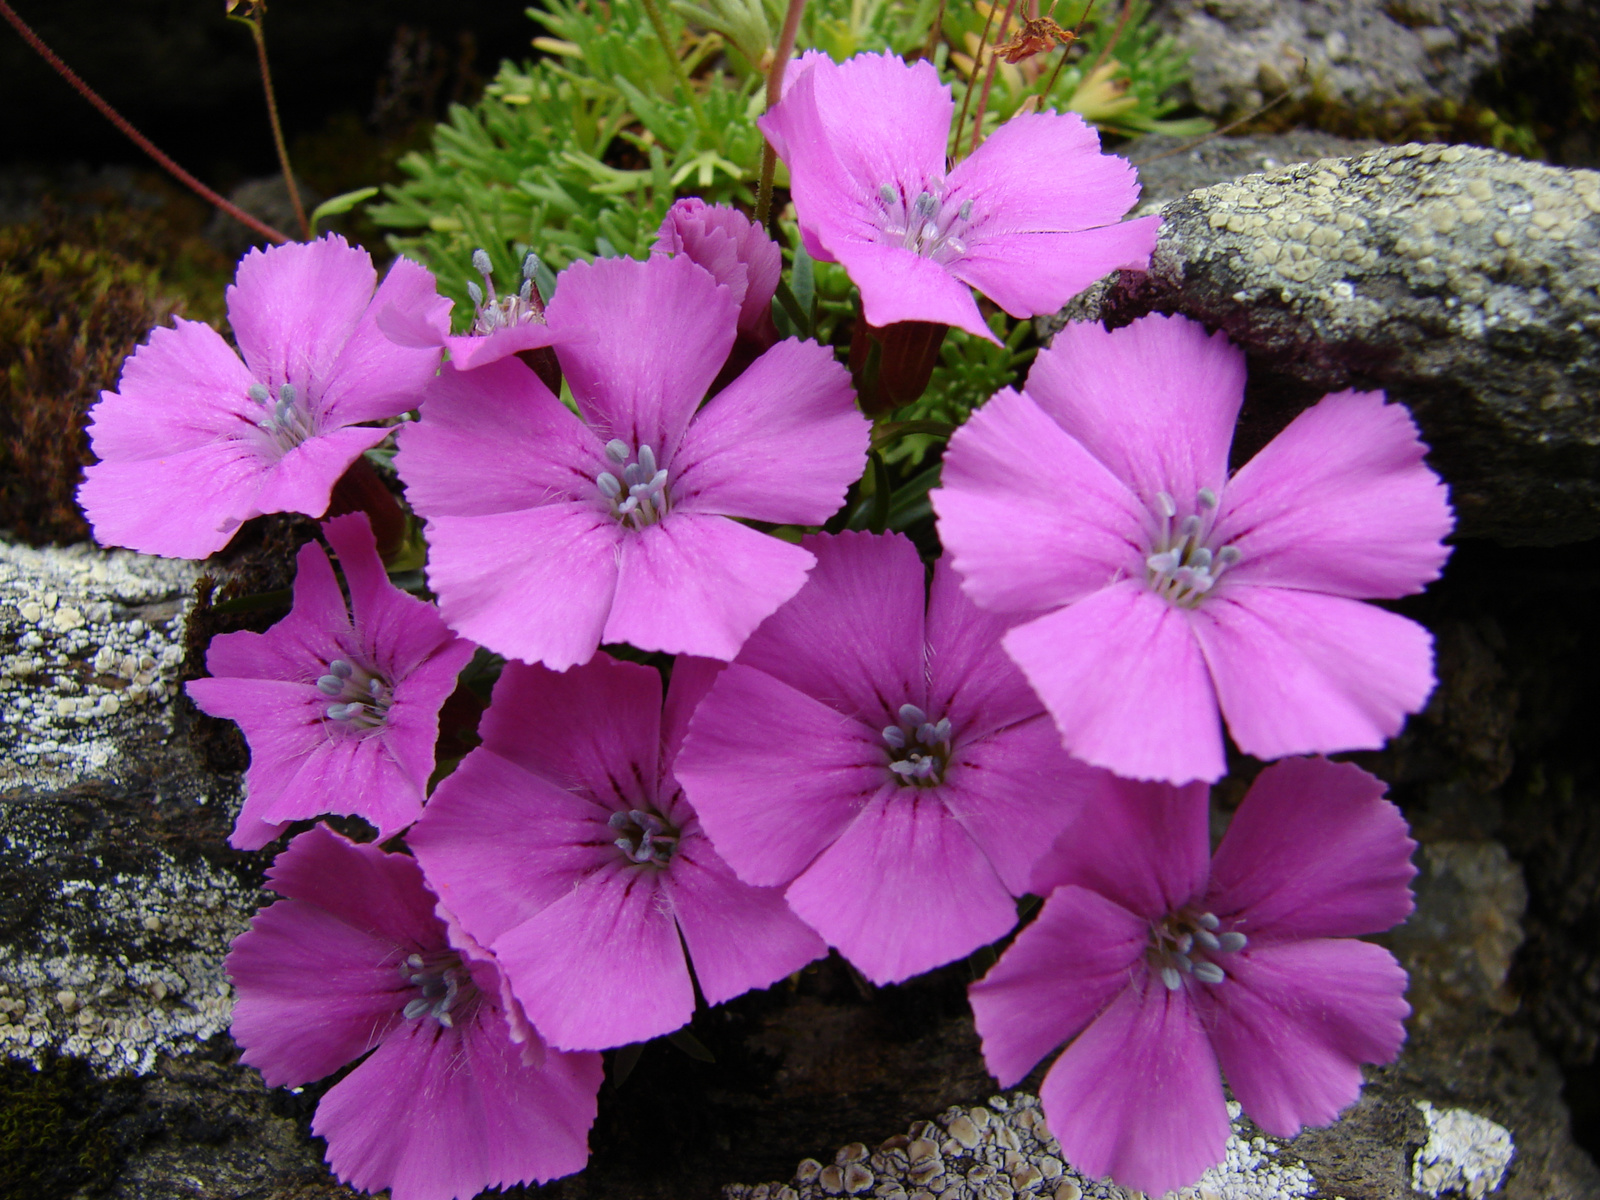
column 1461, row 281
column 1356, row 53
column 1171, row 167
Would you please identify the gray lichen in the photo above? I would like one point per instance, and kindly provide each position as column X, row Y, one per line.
column 1465, row 1153
column 1003, row 1150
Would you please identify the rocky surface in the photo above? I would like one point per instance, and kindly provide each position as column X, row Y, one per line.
column 1356, row 53
column 1170, row 168
column 1461, row 281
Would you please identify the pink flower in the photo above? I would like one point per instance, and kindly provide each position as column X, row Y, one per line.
column 1155, row 966
column 341, row 711
column 736, row 251
column 354, row 959
column 565, row 845
column 872, row 751
column 195, row 441
column 550, row 532
column 501, row 325
column 1029, row 220
column 1100, row 497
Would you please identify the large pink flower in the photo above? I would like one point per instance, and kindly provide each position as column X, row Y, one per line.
column 457, row 1094
column 1157, row 967
column 194, row 441
column 341, row 708
column 1029, row 220
column 1100, row 497
column 565, row 845
column 551, row 532
column 872, row 751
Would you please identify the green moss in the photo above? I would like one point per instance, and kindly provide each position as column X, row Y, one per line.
column 61, row 1130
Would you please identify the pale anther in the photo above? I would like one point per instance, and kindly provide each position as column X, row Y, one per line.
column 1208, row 920
column 610, row 486
column 912, row 715
column 895, row 736
column 617, row 450
column 1230, row 943
column 1207, row 939
column 476, row 293
column 341, row 668
column 888, row 193
column 258, row 393
column 1165, row 505
column 1208, row 972
column 966, row 210
column 481, row 263
column 1207, row 498
column 1171, row 978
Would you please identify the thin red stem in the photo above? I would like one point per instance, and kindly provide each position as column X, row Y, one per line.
column 138, row 139
column 966, row 96
column 988, row 81
column 769, row 157
column 277, row 128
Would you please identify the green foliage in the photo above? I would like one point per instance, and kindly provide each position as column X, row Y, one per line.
column 581, row 153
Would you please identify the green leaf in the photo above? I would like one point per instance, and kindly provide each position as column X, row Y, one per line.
column 341, row 204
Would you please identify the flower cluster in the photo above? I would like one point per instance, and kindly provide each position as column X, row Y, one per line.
column 858, row 745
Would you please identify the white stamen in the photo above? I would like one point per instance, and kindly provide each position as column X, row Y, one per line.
column 1207, row 939
column 1208, row 972
column 895, row 736
column 617, row 450
column 1208, row 920
column 912, row 715
column 1232, row 942
column 1171, row 978
column 481, row 263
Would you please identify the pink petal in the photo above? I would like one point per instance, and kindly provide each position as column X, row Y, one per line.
column 314, row 992
column 1341, row 502
column 535, row 585
column 739, row 937
column 294, row 307
column 864, row 601
column 594, row 729
column 904, row 889
column 374, row 378
column 185, row 505
column 1058, row 975
column 639, row 344
column 1122, row 674
column 602, row 966
column 1293, row 1023
column 499, row 844
column 1303, row 673
column 691, row 680
column 970, row 679
column 698, row 584
column 1030, row 518
column 1046, row 206
column 302, row 480
column 470, row 353
column 781, row 443
column 495, row 440
column 1144, row 845
column 830, row 769
column 1155, row 401
column 901, row 285
column 295, row 649
column 1314, row 851
column 1137, row 1096
column 442, row 1115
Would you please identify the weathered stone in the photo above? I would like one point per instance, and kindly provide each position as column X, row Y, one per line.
column 1461, row 281
column 1170, row 167
column 1357, row 53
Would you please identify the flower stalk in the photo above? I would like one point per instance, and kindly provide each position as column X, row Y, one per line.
column 780, row 61
column 252, row 18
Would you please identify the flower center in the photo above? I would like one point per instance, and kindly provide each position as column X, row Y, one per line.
column 288, row 422
column 640, row 497
column 439, row 981
column 646, row 838
column 919, row 749
column 361, row 697
column 1187, row 943
column 925, row 224
column 492, row 312
column 1182, row 566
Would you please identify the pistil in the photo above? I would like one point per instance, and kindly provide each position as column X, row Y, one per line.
column 646, row 838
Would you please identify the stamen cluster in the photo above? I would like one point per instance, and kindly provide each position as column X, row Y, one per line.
column 289, row 422
column 646, row 838
column 440, row 980
column 919, row 749
column 492, row 312
column 639, row 498
column 1183, row 943
column 926, row 226
column 362, row 697
column 1182, row 568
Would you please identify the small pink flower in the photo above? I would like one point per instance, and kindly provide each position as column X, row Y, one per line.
column 1030, row 219
column 194, row 441
column 1155, row 967
column 565, row 844
column 874, row 753
column 736, row 251
column 457, row 1094
column 341, row 709
column 1100, row 497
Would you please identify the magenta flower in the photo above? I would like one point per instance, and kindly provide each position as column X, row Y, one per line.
column 873, row 751
column 565, row 845
column 196, row 441
column 1156, row 966
column 341, row 711
column 736, row 251
column 550, row 533
column 1101, row 498
column 354, row 959
column 501, row 325
column 1029, row 220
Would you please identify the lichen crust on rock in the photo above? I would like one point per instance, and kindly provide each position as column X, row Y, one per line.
column 1461, row 281
column 1002, row 1150
column 1465, row 1154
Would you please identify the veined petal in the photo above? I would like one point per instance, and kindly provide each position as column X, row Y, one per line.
column 1137, row 1096
column 904, row 889
column 1122, row 674
column 1313, row 851
column 373, row 377
column 1156, row 401
column 1031, row 519
column 901, row 285
column 1079, row 953
column 1304, row 673
column 1293, row 1023
column 294, row 307
column 302, row 480
column 639, row 344
column 781, row 443
column 184, row 505
column 1032, row 274
column 1339, row 502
